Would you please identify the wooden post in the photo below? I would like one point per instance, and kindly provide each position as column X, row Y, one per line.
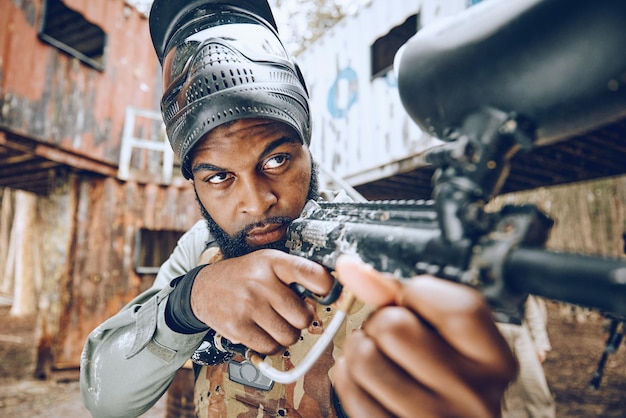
column 23, row 246
column 6, row 218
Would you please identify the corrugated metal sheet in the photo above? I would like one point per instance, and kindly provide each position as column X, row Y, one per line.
column 353, row 115
column 54, row 99
column 81, row 257
column 102, row 279
column 61, row 126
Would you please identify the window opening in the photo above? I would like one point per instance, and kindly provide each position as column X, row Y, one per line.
column 152, row 248
column 67, row 30
column 384, row 49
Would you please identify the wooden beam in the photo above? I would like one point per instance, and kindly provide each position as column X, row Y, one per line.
column 19, row 181
column 72, row 159
column 25, row 168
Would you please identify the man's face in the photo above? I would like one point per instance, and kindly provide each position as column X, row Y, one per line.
column 252, row 178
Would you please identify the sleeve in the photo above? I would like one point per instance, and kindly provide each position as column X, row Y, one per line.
column 535, row 318
column 129, row 361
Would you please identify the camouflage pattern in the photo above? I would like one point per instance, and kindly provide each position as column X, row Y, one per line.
column 216, row 396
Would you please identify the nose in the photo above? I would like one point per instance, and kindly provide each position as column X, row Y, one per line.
column 256, row 196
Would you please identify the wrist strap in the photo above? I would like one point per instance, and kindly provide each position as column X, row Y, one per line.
column 178, row 313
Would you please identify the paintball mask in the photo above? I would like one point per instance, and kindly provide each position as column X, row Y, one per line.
column 222, row 61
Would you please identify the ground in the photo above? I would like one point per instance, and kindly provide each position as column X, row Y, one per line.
column 22, row 393
column 576, row 350
column 577, row 346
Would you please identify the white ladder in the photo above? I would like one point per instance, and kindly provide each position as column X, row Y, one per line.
column 129, row 141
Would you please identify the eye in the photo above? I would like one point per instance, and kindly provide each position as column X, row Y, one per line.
column 276, row 161
column 218, row 178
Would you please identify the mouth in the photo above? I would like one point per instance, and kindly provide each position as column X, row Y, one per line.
column 266, row 234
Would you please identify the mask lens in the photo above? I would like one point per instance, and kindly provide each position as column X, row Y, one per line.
column 253, row 40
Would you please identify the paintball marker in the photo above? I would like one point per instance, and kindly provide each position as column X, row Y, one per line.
column 499, row 78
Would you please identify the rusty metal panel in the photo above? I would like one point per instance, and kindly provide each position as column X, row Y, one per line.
column 49, row 96
column 53, row 107
column 83, row 257
column 101, row 278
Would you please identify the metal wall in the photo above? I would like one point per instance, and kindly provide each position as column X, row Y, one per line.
column 360, row 128
column 590, row 216
column 77, row 268
column 58, row 114
column 47, row 95
column 101, row 258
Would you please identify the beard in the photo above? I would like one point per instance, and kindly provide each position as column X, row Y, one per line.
column 236, row 246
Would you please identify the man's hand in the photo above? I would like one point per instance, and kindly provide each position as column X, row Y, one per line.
column 542, row 355
column 430, row 350
column 248, row 300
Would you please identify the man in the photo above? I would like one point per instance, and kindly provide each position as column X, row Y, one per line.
column 530, row 343
column 237, row 114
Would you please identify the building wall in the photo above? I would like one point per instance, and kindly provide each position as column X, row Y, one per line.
column 359, row 124
column 101, row 259
column 78, row 266
column 49, row 96
column 590, row 216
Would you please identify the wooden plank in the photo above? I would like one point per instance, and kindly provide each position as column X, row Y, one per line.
column 26, row 260
column 29, row 146
column 19, row 164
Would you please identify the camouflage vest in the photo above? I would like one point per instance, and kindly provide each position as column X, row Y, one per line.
column 218, row 396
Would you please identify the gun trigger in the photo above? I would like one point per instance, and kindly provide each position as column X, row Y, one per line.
column 328, row 299
column 332, row 296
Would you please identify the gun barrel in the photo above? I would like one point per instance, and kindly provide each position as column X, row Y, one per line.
column 590, row 281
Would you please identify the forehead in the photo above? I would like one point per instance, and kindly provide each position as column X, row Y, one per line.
column 245, row 132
